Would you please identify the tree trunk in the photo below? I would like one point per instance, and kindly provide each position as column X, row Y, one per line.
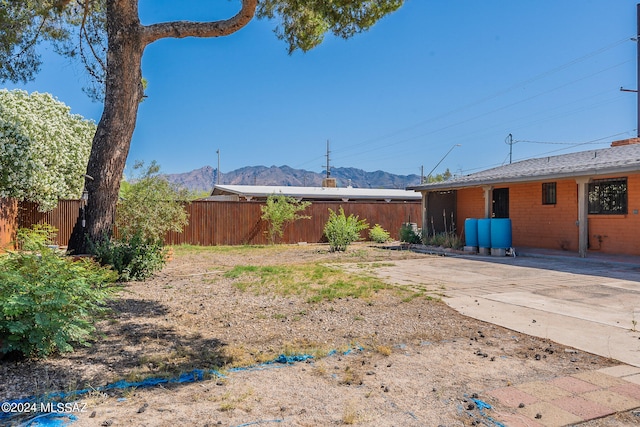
column 127, row 39
column 123, row 93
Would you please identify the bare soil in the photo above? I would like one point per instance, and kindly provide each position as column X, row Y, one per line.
column 400, row 359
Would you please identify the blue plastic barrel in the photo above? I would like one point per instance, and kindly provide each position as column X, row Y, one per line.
column 484, row 233
column 500, row 233
column 471, row 231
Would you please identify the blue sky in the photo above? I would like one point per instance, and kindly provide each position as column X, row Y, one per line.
column 397, row 98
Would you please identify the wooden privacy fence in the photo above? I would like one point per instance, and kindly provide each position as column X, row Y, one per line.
column 213, row 223
column 8, row 222
column 238, row 223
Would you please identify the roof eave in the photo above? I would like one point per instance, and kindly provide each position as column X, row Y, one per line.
column 444, row 186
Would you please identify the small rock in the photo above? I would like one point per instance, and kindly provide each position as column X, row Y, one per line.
column 370, row 373
column 93, row 414
column 538, row 416
column 471, row 406
column 474, row 396
column 143, row 408
column 538, row 357
column 106, row 423
column 521, row 405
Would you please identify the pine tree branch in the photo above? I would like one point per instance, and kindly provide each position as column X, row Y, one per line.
column 181, row 29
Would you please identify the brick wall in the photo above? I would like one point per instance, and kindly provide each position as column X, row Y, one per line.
column 470, row 205
column 544, row 226
column 618, row 234
column 554, row 226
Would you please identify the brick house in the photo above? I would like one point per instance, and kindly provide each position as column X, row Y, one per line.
column 585, row 201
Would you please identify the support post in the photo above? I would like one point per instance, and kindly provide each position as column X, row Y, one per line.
column 488, row 198
column 583, row 221
column 425, row 206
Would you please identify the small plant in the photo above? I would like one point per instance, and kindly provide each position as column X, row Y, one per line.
column 49, row 302
column 36, row 237
column 342, row 230
column 134, row 258
column 446, row 240
column 279, row 211
column 409, row 235
column 378, row 234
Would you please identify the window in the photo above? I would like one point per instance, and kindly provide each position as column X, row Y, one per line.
column 608, row 196
column 548, row 193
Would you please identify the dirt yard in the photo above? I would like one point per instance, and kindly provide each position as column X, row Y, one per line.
column 382, row 355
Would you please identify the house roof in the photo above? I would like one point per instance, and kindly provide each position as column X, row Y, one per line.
column 315, row 193
column 606, row 161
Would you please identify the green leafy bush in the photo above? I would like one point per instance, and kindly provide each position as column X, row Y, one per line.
column 408, row 235
column 279, row 211
column 34, row 238
column 134, row 258
column 150, row 205
column 49, row 302
column 342, row 230
column 378, row 234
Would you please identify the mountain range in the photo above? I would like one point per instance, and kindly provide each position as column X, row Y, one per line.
column 203, row 179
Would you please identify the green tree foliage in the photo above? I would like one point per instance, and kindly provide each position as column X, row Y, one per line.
column 342, row 230
column 49, row 302
column 44, row 148
column 93, row 30
column 279, row 211
column 304, row 23
column 150, row 205
column 444, row 176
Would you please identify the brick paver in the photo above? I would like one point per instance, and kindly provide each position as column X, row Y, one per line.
column 569, row 400
column 574, row 385
column 585, row 409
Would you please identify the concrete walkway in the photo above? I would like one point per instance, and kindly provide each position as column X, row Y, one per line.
column 590, row 304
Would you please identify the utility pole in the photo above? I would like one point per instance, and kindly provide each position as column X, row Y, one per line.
column 218, row 170
column 637, row 90
column 509, row 141
column 328, row 165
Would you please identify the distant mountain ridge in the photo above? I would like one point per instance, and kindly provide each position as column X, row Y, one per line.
column 203, row 179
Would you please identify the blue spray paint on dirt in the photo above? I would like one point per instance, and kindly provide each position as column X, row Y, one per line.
column 57, row 419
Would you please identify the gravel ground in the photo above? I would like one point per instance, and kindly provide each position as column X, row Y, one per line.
column 395, row 357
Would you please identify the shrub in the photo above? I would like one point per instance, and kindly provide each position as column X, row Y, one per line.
column 134, row 258
column 49, row 302
column 34, row 238
column 447, row 240
column 378, row 234
column 279, row 211
column 408, row 234
column 342, row 230
column 150, row 205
